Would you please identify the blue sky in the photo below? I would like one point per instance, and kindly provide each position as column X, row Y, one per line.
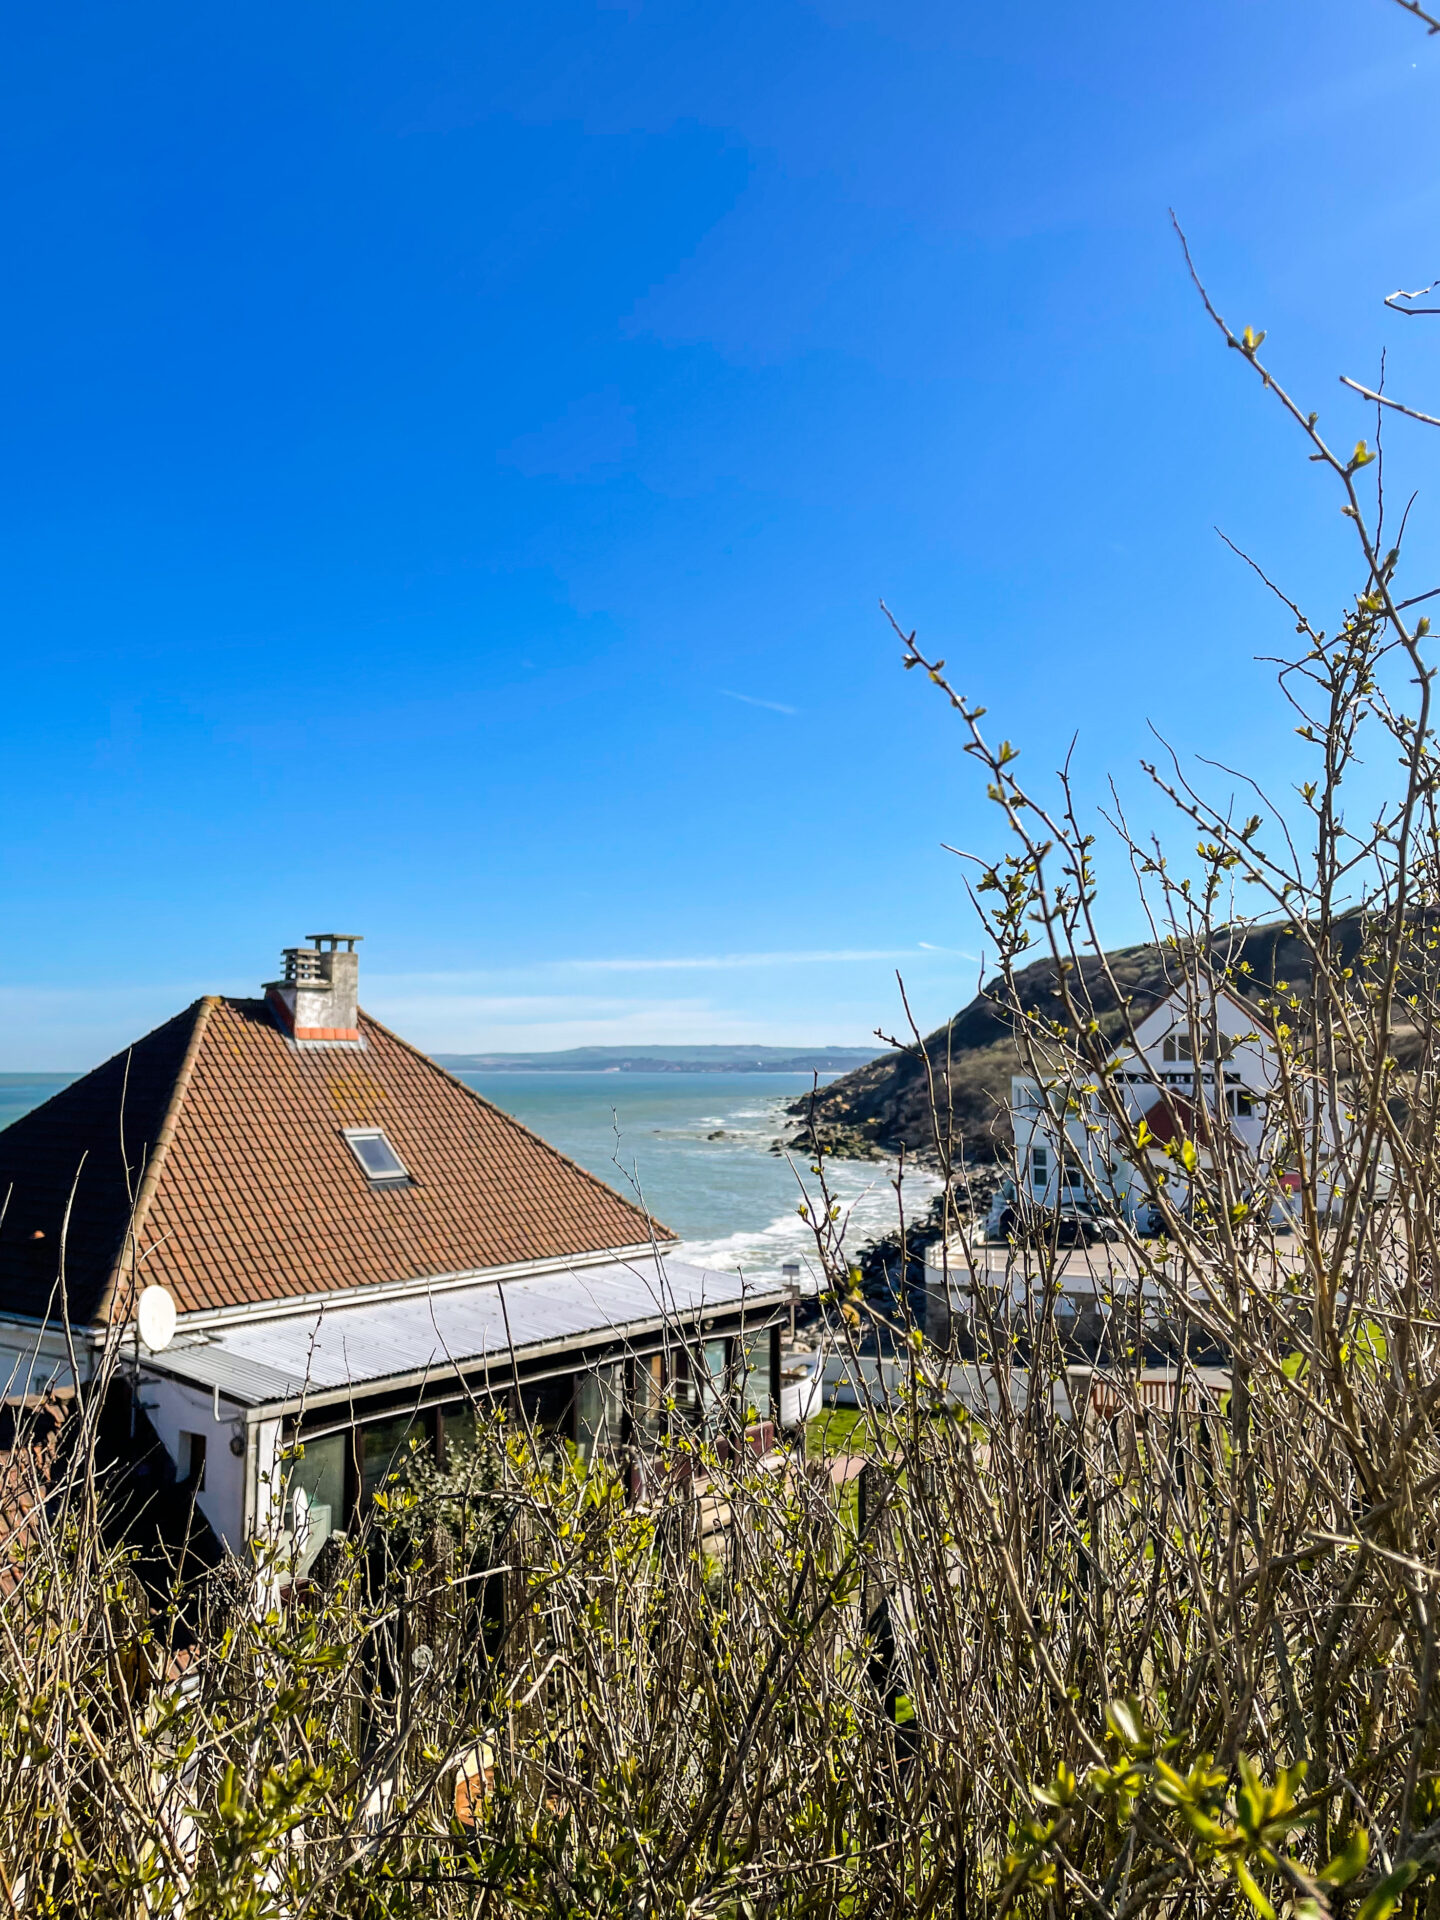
column 453, row 456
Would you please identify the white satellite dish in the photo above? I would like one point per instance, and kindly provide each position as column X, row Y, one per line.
column 155, row 1318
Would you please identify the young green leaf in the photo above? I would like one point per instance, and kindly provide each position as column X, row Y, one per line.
column 1349, row 1861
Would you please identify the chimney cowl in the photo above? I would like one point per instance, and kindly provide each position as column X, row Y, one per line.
column 317, row 1001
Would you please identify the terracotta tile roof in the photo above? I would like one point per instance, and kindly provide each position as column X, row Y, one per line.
column 76, row 1143
column 32, row 1432
column 245, row 1188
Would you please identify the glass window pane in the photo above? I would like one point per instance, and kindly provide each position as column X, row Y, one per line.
column 698, row 1387
column 685, row 1389
column 755, row 1378
column 376, row 1156
column 315, row 1497
column 600, row 1411
column 649, row 1398
column 547, row 1406
column 717, row 1369
column 383, row 1451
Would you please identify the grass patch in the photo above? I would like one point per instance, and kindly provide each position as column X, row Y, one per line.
column 850, row 1430
column 838, row 1430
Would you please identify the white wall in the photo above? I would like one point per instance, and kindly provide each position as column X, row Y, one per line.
column 32, row 1359
column 237, row 1491
column 264, row 1482
column 265, row 1512
column 173, row 1409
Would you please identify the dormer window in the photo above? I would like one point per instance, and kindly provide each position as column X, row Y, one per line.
column 379, row 1162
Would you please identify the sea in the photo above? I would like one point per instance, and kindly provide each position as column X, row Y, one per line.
column 695, row 1148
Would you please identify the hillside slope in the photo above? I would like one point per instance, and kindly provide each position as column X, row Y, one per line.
column 885, row 1105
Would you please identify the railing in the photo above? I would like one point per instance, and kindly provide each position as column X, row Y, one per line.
column 1156, row 1392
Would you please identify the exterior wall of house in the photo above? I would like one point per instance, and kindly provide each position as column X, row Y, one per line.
column 180, row 1414
column 264, row 1490
column 730, row 1359
column 1174, row 1059
column 233, row 1498
column 1059, row 1159
column 1064, row 1157
column 32, row 1359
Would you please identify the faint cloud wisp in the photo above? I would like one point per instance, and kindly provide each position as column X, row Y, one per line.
column 749, row 700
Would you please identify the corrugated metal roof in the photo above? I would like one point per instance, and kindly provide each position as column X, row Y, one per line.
column 330, row 1347
column 211, row 1365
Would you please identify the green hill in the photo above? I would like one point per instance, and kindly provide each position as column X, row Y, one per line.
column 885, row 1105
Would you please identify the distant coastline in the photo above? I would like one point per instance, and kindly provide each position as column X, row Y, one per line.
column 706, row 1059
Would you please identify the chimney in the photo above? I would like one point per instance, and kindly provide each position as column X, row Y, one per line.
column 317, row 1001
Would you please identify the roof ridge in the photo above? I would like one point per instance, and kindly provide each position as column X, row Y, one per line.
column 105, row 1306
column 78, row 1080
column 659, row 1232
column 1219, row 990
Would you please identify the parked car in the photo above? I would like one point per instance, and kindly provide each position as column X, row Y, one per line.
column 1149, row 1222
column 1002, row 1218
column 1079, row 1223
column 1076, row 1223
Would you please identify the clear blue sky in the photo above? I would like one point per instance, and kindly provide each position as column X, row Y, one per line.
column 452, row 455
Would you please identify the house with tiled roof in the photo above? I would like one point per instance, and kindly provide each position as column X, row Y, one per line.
column 285, row 1223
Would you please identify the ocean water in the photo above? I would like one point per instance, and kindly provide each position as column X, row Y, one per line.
column 19, row 1092
column 693, row 1147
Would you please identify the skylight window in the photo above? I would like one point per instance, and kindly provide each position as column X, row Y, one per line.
column 379, row 1162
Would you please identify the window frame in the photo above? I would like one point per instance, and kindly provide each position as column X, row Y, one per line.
column 352, row 1136
column 190, row 1462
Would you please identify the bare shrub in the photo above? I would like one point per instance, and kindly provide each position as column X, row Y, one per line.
column 1119, row 1639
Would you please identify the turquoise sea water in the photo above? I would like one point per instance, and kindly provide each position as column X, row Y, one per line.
column 19, row 1092
column 654, row 1137
column 694, row 1147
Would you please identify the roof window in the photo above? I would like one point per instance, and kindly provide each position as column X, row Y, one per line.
column 379, row 1162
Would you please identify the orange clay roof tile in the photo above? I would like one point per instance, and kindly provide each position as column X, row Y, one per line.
column 248, row 1190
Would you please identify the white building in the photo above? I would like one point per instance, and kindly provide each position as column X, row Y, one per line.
column 1203, row 1086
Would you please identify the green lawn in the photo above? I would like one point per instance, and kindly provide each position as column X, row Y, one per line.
column 837, row 1430
column 848, row 1430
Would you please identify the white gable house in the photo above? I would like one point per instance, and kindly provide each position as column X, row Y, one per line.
column 1203, row 1080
